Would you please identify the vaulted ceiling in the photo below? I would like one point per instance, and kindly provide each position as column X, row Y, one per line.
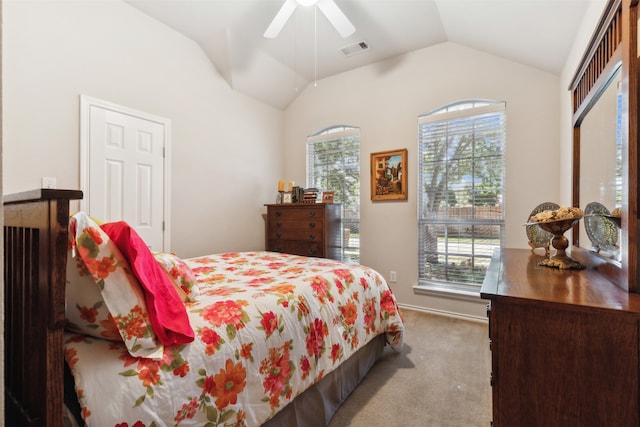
column 538, row 33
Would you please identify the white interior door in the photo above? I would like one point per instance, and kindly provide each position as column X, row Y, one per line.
column 126, row 168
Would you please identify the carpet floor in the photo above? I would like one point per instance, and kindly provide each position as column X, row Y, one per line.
column 440, row 379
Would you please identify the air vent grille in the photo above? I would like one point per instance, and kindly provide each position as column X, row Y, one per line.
column 354, row 49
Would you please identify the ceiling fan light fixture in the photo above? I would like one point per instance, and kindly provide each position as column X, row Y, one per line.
column 307, row 2
column 329, row 8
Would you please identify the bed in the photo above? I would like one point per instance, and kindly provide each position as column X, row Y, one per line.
column 270, row 338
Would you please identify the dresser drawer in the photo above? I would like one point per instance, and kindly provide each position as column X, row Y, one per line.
column 294, row 247
column 307, row 230
column 300, row 212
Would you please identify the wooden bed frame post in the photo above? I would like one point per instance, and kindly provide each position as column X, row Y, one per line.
column 35, row 248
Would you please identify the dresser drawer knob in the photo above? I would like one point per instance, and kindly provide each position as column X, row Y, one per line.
column 278, row 235
column 312, row 225
column 278, row 224
column 278, row 213
column 311, row 213
column 312, row 236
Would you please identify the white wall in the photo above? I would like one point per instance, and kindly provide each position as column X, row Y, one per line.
column 225, row 146
column 589, row 22
column 385, row 99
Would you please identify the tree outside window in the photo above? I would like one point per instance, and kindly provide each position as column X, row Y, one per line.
column 461, row 181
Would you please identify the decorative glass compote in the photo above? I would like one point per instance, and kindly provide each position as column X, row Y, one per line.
column 559, row 259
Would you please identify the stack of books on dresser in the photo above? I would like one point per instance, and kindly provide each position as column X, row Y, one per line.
column 297, row 194
column 310, row 195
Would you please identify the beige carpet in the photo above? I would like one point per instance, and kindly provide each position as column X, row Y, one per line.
column 441, row 378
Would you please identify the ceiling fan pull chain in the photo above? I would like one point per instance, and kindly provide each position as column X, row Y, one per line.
column 295, row 54
column 315, row 46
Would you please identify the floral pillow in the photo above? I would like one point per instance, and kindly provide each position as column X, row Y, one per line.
column 182, row 277
column 120, row 290
column 86, row 311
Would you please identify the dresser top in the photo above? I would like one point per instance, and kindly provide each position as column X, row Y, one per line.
column 515, row 274
column 299, row 205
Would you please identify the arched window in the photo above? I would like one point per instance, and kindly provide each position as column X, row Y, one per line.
column 461, row 192
column 333, row 164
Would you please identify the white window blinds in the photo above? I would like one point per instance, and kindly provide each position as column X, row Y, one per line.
column 461, row 189
column 333, row 164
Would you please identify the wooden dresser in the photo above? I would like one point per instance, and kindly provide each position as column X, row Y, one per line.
column 564, row 345
column 305, row 229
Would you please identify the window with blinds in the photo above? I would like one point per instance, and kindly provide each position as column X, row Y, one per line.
column 461, row 191
column 333, row 164
column 619, row 146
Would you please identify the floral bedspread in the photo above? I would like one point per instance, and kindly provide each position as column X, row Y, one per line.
column 267, row 327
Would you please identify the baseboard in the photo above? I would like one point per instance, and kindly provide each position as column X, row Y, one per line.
column 444, row 313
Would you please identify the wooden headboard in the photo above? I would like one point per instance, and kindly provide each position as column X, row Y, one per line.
column 35, row 253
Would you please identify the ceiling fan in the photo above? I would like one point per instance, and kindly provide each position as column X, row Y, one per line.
column 330, row 9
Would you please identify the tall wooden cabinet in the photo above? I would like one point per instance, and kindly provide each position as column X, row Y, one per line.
column 564, row 345
column 310, row 229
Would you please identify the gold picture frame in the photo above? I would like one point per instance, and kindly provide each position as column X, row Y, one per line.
column 389, row 175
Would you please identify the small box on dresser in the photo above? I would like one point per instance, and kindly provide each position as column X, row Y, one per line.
column 309, row 229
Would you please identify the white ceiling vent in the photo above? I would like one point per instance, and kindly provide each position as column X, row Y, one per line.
column 354, row 49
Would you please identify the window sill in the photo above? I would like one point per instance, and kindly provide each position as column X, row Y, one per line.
column 448, row 292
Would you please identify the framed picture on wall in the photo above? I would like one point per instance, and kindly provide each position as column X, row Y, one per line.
column 389, row 175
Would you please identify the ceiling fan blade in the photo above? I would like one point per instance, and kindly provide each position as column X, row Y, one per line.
column 280, row 19
column 338, row 19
